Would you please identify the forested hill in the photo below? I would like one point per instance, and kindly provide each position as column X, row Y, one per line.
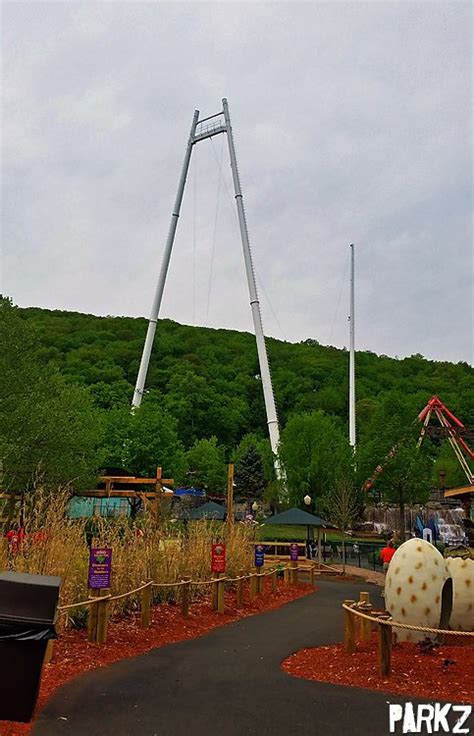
column 209, row 382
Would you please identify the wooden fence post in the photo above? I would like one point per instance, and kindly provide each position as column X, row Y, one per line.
column 214, row 591
column 384, row 649
column 253, row 587
column 92, row 617
column 49, row 651
column 260, row 580
column 102, row 617
column 274, row 580
column 366, row 607
column 240, row 589
column 145, row 607
column 220, row 594
column 349, row 629
column 185, row 595
column 294, row 572
column 286, row 576
column 311, row 575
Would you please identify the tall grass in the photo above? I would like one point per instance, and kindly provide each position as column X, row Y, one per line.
column 141, row 550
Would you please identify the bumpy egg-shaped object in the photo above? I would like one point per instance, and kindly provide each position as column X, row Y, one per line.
column 414, row 585
column 462, row 573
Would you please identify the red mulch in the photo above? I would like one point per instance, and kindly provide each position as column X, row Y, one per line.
column 73, row 654
column 443, row 673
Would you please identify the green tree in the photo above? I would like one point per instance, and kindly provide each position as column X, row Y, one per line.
column 142, row 440
column 49, row 431
column 206, row 467
column 400, row 472
column 314, row 452
column 343, row 508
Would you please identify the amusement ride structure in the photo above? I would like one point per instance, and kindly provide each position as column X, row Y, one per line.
column 200, row 130
column 450, row 427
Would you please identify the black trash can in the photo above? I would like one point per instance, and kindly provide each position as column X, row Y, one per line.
column 27, row 614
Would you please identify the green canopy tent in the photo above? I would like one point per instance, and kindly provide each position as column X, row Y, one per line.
column 297, row 517
column 210, row 510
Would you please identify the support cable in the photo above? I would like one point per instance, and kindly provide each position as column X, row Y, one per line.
column 338, row 304
column 230, row 202
column 211, row 267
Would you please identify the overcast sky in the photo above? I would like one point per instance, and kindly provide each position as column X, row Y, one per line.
column 352, row 123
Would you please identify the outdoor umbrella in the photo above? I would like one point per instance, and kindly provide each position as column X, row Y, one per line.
column 297, row 517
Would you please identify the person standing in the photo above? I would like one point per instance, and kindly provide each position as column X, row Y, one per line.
column 386, row 555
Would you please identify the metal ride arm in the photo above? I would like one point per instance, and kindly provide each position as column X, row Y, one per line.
column 270, row 408
column 200, row 130
column 452, row 427
column 155, row 310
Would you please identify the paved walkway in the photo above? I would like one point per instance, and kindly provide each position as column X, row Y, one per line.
column 227, row 682
column 371, row 576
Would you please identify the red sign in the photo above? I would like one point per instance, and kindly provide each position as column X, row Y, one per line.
column 218, row 558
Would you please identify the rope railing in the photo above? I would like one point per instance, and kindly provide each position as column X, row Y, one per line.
column 385, row 625
column 388, row 621
column 109, row 598
column 179, row 583
column 87, row 602
column 130, row 592
column 97, row 620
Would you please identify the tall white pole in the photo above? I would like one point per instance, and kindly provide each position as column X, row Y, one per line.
column 155, row 310
column 272, row 419
column 352, row 417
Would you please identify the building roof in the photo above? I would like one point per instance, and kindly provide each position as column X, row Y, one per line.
column 209, row 510
column 298, row 517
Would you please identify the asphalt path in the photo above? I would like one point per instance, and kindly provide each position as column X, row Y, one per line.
column 227, row 682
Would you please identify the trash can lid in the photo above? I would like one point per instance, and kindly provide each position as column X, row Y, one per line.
column 27, row 597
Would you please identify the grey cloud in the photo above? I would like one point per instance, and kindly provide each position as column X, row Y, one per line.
column 352, row 123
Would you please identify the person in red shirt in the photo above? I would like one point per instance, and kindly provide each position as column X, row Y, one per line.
column 386, row 554
column 15, row 537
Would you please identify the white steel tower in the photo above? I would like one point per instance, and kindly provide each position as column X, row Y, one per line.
column 200, row 130
column 352, row 417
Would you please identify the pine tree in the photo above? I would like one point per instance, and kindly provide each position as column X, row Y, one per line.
column 249, row 476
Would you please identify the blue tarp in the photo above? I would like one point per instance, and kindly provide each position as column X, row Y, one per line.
column 197, row 492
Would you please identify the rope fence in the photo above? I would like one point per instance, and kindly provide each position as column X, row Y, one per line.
column 98, row 603
column 384, row 624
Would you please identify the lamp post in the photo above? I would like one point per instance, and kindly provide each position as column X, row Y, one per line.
column 254, row 508
column 307, row 501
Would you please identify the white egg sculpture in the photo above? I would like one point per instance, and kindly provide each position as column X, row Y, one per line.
column 462, row 574
column 416, row 578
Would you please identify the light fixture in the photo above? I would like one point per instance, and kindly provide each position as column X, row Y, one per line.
column 255, row 506
column 307, row 500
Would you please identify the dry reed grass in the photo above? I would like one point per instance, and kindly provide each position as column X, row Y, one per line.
column 142, row 550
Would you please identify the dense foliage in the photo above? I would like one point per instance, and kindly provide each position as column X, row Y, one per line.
column 49, row 429
column 204, row 384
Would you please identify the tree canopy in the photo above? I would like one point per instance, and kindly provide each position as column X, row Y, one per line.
column 204, row 401
column 50, row 431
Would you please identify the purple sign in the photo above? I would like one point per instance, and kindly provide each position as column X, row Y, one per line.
column 259, row 550
column 294, row 552
column 100, row 567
